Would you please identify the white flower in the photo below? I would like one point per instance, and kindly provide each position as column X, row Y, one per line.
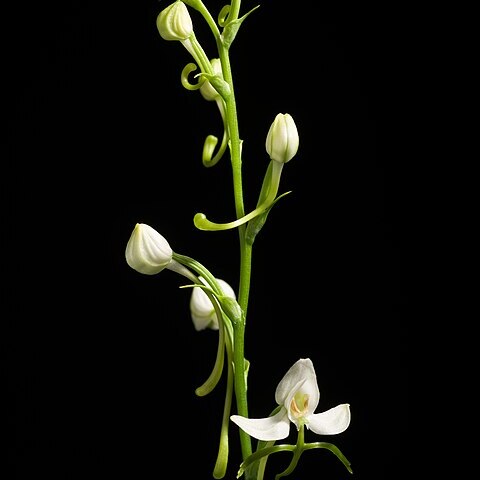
column 201, row 308
column 282, row 138
column 298, row 395
column 174, row 22
column 147, row 251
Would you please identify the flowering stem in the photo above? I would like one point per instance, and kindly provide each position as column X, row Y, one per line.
column 245, row 252
column 240, row 380
column 235, row 9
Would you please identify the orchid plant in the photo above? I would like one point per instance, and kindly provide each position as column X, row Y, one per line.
column 213, row 302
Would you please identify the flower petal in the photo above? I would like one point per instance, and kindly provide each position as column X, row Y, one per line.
column 301, row 375
column 330, row 422
column 276, row 427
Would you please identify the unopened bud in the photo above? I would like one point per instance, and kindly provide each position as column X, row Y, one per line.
column 282, row 138
column 147, row 251
column 174, row 22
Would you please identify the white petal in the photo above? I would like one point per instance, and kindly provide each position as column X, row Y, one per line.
column 331, row 422
column 301, row 375
column 270, row 428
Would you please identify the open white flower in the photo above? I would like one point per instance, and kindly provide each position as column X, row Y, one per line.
column 298, row 394
column 201, row 308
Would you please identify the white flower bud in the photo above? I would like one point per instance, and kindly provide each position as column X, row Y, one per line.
column 147, row 251
column 174, row 22
column 207, row 91
column 201, row 308
column 282, row 138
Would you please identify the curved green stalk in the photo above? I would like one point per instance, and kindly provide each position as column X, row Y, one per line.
column 222, row 456
column 201, row 271
column 297, row 453
column 214, row 377
column 264, row 452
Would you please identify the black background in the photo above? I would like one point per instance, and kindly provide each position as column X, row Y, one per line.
column 101, row 362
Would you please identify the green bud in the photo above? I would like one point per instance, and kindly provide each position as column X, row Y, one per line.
column 174, row 22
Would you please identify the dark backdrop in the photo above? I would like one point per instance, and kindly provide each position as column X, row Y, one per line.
column 101, row 362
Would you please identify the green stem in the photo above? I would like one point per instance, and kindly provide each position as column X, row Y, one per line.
column 235, row 9
column 245, row 249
